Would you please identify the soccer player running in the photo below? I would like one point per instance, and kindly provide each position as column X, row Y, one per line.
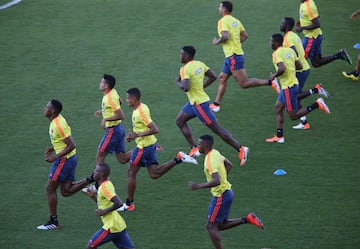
column 231, row 35
column 354, row 75
column 114, row 226
column 293, row 41
column 144, row 155
column 216, row 168
column 191, row 81
column 309, row 25
column 113, row 140
column 62, row 156
column 286, row 62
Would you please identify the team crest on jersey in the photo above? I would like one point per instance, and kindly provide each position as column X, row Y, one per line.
column 288, row 55
column 198, row 71
column 234, row 24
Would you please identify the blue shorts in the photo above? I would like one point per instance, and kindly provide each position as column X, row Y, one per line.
column 288, row 97
column 302, row 77
column 113, row 140
column 102, row 236
column 312, row 46
column 234, row 62
column 219, row 208
column 202, row 111
column 144, row 157
column 63, row 169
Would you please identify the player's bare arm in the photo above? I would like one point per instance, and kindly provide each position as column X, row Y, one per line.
column 183, row 84
column 243, row 36
column 211, row 77
column 70, row 145
column 119, row 115
column 315, row 23
column 224, row 37
column 215, row 181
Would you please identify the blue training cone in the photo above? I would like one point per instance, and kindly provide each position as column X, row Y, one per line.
column 280, row 172
column 357, row 45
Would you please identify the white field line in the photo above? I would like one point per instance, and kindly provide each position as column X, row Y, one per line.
column 9, row 4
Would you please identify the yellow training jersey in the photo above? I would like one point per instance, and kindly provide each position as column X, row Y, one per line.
column 214, row 162
column 292, row 39
column 195, row 71
column 234, row 27
column 110, row 104
column 288, row 57
column 58, row 131
column 112, row 220
column 141, row 118
column 308, row 11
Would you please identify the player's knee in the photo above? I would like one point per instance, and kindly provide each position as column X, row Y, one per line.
column 292, row 116
column 154, row 176
column 179, row 122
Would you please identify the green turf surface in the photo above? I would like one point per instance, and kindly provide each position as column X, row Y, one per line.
column 60, row 49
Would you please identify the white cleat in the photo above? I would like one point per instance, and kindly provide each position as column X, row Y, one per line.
column 186, row 158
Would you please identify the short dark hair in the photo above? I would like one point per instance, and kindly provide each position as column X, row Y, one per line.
column 209, row 140
column 290, row 22
column 135, row 92
column 57, row 105
column 277, row 38
column 227, row 5
column 110, row 80
column 190, row 50
column 105, row 168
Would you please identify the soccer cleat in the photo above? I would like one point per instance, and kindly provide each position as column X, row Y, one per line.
column 275, row 85
column 354, row 75
column 253, row 219
column 302, row 126
column 214, row 108
column 322, row 91
column 275, row 139
column 186, row 158
column 243, row 155
column 345, row 56
column 91, row 187
column 194, row 152
column 322, row 105
column 50, row 225
column 125, row 207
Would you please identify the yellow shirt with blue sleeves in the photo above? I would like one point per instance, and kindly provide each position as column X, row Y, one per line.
column 141, row 118
column 288, row 57
column 110, row 104
column 214, row 163
column 292, row 39
column 307, row 12
column 234, row 27
column 195, row 72
column 111, row 221
column 58, row 131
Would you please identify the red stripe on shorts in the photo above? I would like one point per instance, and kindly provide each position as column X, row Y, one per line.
column 288, row 100
column 100, row 238
column 58, row 169
column 308, row 47
column 216, row 209
column 232, row 63
column 107, row 140
column 138, row 157
column 203, row 114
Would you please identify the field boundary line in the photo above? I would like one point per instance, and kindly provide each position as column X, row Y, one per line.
column 9, row 4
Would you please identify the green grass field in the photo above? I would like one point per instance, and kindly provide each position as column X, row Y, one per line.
column 60, row 49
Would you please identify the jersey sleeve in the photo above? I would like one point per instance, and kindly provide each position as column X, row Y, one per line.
column 108, row 190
